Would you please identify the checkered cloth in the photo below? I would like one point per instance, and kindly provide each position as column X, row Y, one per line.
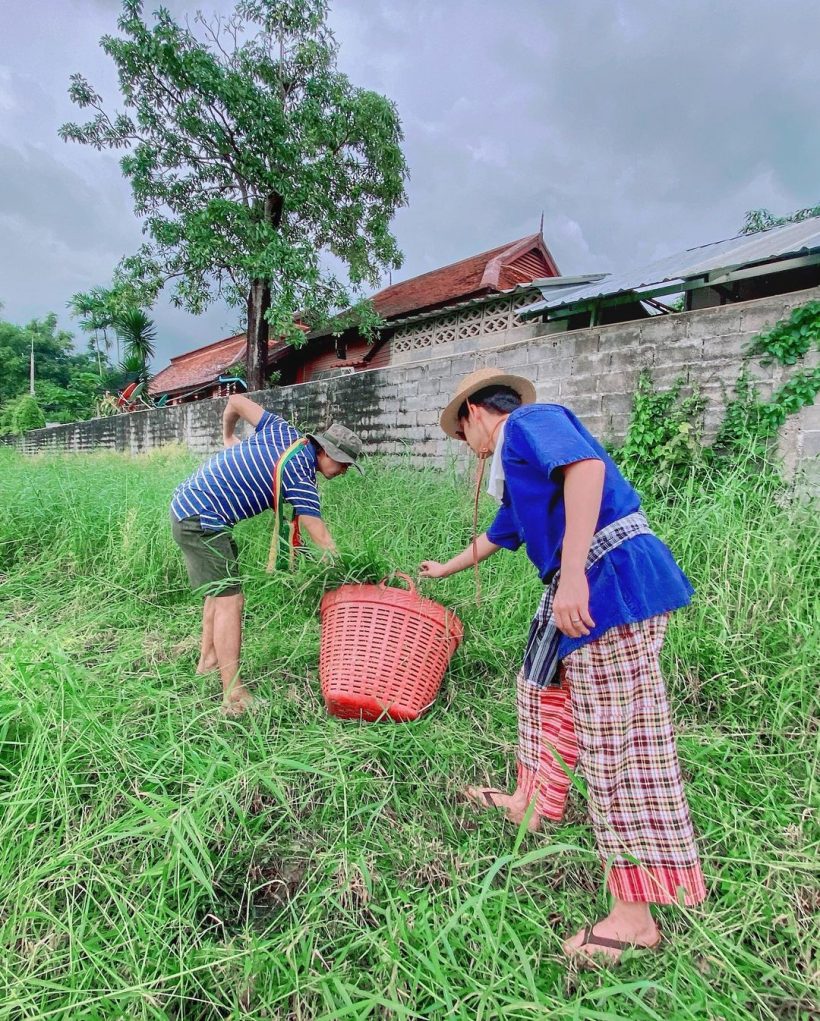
column 541, row 654
column 611, row 717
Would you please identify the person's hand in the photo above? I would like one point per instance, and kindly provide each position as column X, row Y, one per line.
column 432, row 569
column 231, row 441
column 571, row 606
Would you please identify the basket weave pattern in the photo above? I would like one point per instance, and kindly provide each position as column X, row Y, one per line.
column 384, row 651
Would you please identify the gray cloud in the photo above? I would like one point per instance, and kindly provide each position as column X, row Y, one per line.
column 638, row 127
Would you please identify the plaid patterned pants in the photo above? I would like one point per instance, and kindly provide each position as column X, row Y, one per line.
column 611, row 717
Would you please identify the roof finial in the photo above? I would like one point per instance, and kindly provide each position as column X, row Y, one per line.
column 541, row 225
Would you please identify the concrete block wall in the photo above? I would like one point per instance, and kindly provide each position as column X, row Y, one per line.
column 395, row 409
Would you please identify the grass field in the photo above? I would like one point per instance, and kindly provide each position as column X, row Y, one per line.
column 158, row 861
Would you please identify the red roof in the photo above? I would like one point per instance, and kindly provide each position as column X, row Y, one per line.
column 204, row 364
column 495, row 270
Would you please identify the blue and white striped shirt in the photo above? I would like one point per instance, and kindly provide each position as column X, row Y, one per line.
column 237, row 483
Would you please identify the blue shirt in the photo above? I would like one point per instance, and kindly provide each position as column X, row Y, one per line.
column 237, row 483
column 637, row 580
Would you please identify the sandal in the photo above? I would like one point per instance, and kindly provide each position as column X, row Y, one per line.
column 590, row 939
column 482, row 797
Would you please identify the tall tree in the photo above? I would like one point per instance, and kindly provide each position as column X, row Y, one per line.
column 256, row 164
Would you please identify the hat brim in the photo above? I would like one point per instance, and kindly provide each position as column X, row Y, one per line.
column 335, row 452
column 449, row 417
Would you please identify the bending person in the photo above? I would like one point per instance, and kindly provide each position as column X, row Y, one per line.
column 590, row 690
column 237, row 483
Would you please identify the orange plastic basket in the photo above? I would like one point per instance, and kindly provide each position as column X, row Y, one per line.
column 384, row 651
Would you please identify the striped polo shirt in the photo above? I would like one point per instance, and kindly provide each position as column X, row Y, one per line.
column 237, row 483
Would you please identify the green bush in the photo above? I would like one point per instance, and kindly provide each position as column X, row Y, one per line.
column 19, row 415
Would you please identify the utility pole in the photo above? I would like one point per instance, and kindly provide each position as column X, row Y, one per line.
column 31, row 380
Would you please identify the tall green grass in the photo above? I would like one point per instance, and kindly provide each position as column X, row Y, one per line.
column 158, row 861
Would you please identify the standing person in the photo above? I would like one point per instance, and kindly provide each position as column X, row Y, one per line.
column 590, row 690
column 273, row 465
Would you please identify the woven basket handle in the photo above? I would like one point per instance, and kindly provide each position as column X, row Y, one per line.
column 404, row 577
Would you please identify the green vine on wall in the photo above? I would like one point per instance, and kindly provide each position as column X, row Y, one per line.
column 665, row 429
column 799, row 391
column 791, row 339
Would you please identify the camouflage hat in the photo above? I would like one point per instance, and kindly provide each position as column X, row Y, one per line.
column 340, row 443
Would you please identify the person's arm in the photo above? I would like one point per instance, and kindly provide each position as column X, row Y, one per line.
column 583, row 488
column 318, row 532
column 460, row 562
column 239, row 406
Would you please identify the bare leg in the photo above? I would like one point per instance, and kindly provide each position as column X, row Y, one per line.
column 228, row 643
column 628, row 921
column 207, row 652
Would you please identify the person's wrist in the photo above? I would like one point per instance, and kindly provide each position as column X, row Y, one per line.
column 572, row 571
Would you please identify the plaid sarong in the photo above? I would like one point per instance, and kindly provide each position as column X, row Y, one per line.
column 541, row 655
column 611, row 717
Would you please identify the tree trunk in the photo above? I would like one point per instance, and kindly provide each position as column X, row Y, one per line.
column 257, row 351
column 258, row 304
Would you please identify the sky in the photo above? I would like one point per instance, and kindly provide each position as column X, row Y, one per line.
column 638, row 127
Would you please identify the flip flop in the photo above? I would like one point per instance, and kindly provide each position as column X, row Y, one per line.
column 483, row 797
column 590, row 939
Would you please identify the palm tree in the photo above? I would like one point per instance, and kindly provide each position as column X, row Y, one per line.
column 94, row 310
column 138, row 335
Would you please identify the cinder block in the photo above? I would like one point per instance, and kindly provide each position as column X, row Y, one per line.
column 552, row 365
column 661, row 330
column 616, row 428
column 810, row 445
column 585, row 405
column 592, row 364
column 548, row 392
column 762, row 317
column 720, row 320
column 622, row 382
column 621, row 338
column 683, row 353
column 666, row 376
column 617, row 404
column 584, row 342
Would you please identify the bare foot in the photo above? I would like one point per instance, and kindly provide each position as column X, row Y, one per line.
column 514, row 805
column 207, row 666
column 615, row 936
column 237, row 700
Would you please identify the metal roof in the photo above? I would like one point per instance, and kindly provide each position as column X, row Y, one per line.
column 793, row 239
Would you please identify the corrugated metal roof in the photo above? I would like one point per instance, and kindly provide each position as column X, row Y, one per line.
column 793, row 239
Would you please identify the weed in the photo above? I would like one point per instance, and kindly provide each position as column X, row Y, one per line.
column 158, row 861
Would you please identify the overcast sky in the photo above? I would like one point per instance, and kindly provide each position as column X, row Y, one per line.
column 639, row 128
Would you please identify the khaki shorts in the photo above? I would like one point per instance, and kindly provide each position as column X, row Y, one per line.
column 211, row 557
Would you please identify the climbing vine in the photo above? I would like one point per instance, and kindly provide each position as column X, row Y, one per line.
column 791, row 339
column 665, row 429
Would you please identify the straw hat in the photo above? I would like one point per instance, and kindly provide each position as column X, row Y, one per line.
column 478, row 381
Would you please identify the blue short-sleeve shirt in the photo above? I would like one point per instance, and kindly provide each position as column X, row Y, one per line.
column 637, row 580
